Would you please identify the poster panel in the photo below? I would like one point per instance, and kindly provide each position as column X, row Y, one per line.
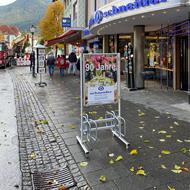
column 41, row 64
column 42, row 70
column 41, row 57
column 100, row 79
column 41, row 51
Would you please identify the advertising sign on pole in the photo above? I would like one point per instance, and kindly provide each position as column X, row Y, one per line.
column 100, row 82
column 40, row 49
column 66, row 22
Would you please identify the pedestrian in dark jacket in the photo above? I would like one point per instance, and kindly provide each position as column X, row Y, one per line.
column 72, row 63
column 51, row 63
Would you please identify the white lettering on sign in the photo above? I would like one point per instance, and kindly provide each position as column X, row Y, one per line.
column 100, row 67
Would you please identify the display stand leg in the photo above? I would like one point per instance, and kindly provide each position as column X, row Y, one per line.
column 115, row 134
column 79, row 140
column 41, row 84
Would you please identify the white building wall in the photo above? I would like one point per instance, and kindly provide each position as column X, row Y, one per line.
column 81, row 13
column 81, row 10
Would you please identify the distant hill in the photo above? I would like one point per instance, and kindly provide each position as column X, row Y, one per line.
column 23, row 13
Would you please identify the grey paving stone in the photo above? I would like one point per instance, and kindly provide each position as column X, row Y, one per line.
column 49, row 149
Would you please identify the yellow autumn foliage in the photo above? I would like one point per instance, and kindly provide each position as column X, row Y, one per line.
column 1, row 37
column 50, row 24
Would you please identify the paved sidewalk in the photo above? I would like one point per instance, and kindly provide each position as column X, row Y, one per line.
column 41, row 146
column 163, row 100
column 148, row 130
column 10, row 175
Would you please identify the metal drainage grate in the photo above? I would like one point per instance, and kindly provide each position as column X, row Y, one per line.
column 52, row 180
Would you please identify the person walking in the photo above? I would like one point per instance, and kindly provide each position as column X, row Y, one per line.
column 61, row 64
column 51, row 63
column 72, row 62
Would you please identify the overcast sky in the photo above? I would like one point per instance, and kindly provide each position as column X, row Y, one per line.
column 6, row 2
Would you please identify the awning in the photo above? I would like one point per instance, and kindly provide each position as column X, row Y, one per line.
column 72, row 35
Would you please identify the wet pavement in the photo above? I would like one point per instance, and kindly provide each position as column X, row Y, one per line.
column 10, row 175
column 149, row 130
column 161, row 99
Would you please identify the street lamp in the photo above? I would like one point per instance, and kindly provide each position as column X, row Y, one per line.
column 32, row 30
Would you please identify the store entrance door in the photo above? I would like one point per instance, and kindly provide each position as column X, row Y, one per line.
column 184, row 63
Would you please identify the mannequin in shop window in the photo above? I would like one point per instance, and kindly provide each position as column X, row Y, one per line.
column 153, row 55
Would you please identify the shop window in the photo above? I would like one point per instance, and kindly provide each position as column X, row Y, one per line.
column 111, row 44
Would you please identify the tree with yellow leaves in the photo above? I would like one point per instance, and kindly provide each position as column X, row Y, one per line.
column 1, row 36
column 50, row 24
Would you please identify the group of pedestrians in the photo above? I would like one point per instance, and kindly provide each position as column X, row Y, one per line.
column 61, row 63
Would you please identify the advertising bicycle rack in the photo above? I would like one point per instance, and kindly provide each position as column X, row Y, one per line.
column 100, row 86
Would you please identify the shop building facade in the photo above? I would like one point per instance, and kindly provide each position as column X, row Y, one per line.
column 159, row 31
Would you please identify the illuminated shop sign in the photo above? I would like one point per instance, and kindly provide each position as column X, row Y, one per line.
column 99, row 15
column 86, row 32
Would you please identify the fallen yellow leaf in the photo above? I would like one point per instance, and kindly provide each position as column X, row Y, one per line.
column 111, row 161
column 132, row 169
column 176, row 167
column 176, row 171
column 162, row 132
column 141, row 114
column 185, row 169
column 171, row 188
column 141, row 172
column 179, row 141
column 50, row 182
column 166, row 152
column 83, row 164
column 184, row 150
column 119, row 158
column 72, row 126
column 163, row 166
column 162, row 140
column 146, row 141
column 187, row 140
column 62, row 187
column 168, row 136
column 102, row 178
column 40, row 130
column 134, row 152
column 176, row 123
column 33, row 156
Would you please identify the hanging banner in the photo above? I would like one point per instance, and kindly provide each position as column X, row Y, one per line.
column 100, row 81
